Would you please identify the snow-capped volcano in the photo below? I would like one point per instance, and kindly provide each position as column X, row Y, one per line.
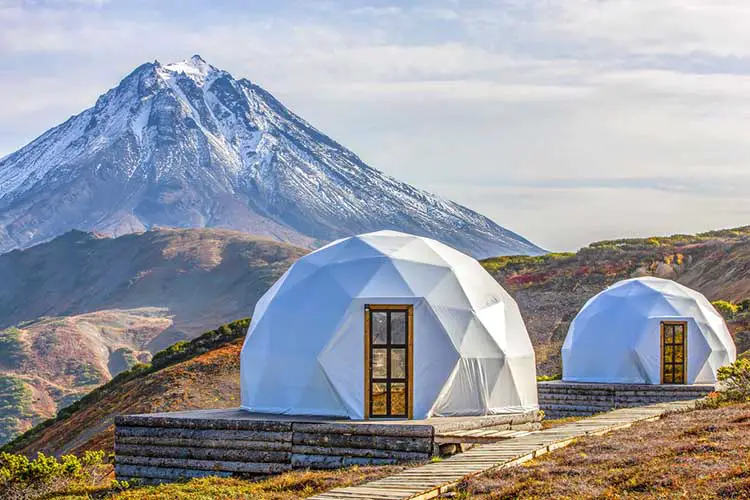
column 187, row 145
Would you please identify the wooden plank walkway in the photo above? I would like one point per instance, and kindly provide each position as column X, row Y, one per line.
column 488, row 435
column 433, row 479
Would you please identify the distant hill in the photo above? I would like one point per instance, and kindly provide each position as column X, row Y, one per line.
column 81, row 308
column 550, row 290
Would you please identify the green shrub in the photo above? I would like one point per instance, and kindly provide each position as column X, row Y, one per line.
column 12, row 349
column 735, row 380
column 39, row 478
column 726, row 309
column 547, row 378
column 15, row 404
column 83, row 373
column 177, row 349
column 497, row 263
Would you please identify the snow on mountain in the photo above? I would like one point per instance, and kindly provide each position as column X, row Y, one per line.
column 187, row 145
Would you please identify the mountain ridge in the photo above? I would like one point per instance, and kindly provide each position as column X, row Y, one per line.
column 187, row 145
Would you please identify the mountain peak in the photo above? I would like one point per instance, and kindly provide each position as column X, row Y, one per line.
column 195, row 68
column 185, row 144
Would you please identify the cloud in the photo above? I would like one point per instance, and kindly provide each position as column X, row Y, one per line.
column 564, row 108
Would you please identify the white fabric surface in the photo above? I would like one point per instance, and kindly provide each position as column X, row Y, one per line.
column 616, row 336
column 304, row 352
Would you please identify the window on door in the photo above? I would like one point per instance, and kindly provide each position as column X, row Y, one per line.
column 673, row 352
column 388, row 361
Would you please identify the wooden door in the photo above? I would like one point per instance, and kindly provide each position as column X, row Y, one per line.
column 388, row 361
column 673, row 352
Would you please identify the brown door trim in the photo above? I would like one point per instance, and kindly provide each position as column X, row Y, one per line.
column 409, row 346
column 663, row 326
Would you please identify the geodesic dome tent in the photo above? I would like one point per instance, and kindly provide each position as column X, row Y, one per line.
column 647, row 331
column 387, row 324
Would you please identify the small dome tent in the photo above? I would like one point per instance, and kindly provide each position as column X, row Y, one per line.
column 647, row 331
column 387, row 325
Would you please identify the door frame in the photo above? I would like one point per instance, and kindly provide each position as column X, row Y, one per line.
column 409, row 309
column 684, row 324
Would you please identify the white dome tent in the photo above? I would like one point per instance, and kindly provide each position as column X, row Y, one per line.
column 647, row 331
column 388, row 325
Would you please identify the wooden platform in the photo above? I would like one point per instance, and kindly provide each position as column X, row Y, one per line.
column 172, row 446
column 431, row 480
column 564, row 399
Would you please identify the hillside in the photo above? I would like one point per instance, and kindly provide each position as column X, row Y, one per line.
column 188, row 145
column 202, row 373
column 552, row 288
column 82, row 308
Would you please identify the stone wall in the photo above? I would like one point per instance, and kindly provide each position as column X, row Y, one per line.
column 565, row 399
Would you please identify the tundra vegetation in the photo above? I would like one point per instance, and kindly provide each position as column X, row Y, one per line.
column 700, row 454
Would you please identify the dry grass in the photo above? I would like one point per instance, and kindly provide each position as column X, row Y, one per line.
column 292, row 485
column 697, row 455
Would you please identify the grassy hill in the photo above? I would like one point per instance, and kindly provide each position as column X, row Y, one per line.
column 80, row 309
column 552, row 288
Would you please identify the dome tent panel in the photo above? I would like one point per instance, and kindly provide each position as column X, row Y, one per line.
column 449, row 293
column 649, row 331
column 435, row 358
column 289, row 330
column 315, row 327
column 455, row 321
column 477, row 342
column 467, row 391
column 480, row 287
column 386, row 242
column 355, row 275
column 387, row 282
column 422, row 279
column 419, row 252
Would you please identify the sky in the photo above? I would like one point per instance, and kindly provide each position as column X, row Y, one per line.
column 567, row 121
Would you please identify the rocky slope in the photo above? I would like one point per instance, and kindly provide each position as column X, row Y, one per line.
column 549, row 289
column 82, row 308
column 188, row 145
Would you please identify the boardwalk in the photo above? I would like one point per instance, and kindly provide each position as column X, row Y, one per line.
column 429, row 481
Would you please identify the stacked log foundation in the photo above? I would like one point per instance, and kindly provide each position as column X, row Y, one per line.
column 567, row 399
column 168, row 447
column 163, row 449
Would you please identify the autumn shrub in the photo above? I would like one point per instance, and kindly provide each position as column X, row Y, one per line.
column 726, row 309
column 735, row 380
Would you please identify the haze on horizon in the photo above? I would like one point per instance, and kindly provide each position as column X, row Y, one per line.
column 566, row 121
